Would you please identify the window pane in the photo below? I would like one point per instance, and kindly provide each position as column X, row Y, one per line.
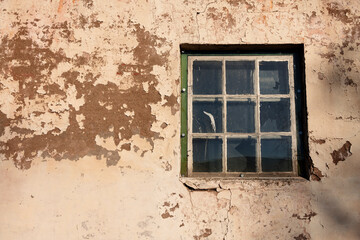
column 276, row 154
column 275, row 115
column 239, row 77
column 207, row 155
column 240, row 116
column 274, row 78
column 241, row 155
column 207, row 77
column 207, row 116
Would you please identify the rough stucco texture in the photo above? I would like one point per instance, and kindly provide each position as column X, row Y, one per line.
column 89, row 121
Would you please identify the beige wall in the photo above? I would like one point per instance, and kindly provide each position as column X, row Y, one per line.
column 89, row 121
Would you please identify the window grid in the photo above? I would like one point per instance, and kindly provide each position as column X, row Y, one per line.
column 224, row 155
column 257, row 96
column 257, row 117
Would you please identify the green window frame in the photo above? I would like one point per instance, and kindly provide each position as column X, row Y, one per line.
column 258, row 139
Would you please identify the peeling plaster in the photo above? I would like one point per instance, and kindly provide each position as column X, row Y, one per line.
column 81, row 98
column 97, row 83
column 342, row 153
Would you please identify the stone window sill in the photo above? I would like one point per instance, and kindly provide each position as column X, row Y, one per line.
column 215, row 183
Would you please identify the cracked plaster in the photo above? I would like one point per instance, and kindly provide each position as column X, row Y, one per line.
column 89, row 121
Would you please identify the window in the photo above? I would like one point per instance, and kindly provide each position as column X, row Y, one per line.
column 239, row 116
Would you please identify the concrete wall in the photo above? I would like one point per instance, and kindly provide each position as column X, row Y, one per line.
column 90, row 120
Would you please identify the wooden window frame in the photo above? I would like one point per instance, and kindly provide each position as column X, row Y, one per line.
column 186, row 110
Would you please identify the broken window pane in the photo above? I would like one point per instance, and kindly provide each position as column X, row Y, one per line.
column 241, row 155
column 274, row 78
column 239, row 77
column 276, row 154
column 207, row 116
column 240, row 116
column 207, row 155
column 207, row 77
column 275, row 115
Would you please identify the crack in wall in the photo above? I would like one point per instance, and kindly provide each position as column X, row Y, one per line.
column 196, row 17
column 218, row 188
column 227, row 216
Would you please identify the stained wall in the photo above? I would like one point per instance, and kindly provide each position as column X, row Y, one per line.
column 90, row 121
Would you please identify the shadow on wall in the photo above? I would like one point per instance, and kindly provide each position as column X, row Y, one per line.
column 338, row 197
column 338, row 200
column 341, row 208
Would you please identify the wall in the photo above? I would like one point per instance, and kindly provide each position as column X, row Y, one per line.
column 90, row 120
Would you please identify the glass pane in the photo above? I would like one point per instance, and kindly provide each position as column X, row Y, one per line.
column 275, row 115
column 239, row 77
column 207, row 116
column 241, row 155
column 276, row 155
column 207, row 77
column 274, row 78
column 207, row 155
column 240, row 116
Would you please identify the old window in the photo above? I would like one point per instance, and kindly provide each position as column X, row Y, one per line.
column 239, row 116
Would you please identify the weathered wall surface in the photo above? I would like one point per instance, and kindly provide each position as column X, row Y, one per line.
column 89, row 121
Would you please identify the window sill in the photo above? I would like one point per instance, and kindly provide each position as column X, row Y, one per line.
column 218, row 183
